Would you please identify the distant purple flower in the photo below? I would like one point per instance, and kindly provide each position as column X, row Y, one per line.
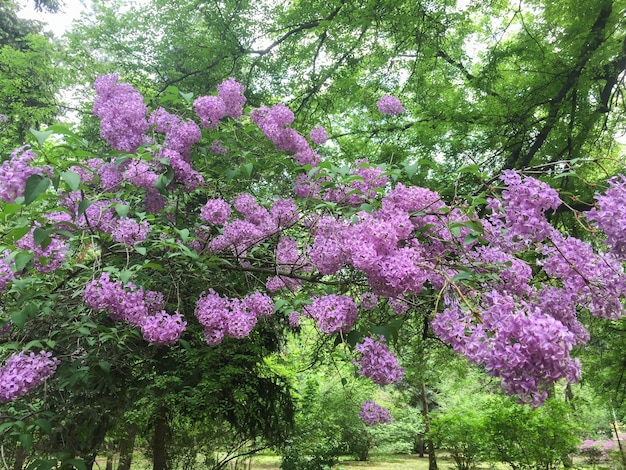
column 210, row 110
column 15, row 171
column 377, row 363
column 609, row 215
column 6, row 271
column 371, row 413
column 390, row 105
column 130, row 232
column 231, row 93
column 218, row 148
column 215, row 211
column 163, row 328
column 333, row 313
column 318, row 135
column 122, row 113
column 3, row 118
column 24, row 372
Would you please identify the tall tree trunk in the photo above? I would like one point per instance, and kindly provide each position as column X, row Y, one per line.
column 432, row 458
column 127, row 446
column 158, row 442
column 20, row 457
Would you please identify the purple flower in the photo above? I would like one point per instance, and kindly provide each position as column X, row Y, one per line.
column 210, row 110
column 318, row 135
column 371, row 413
column 218, row 148
column 24, row 372
column 15, row 171
column 231, row 93
column 377, row 363
column 390, row 105
column 122, row 113
column 333, row 313
column 163, row 328
column 215, row 211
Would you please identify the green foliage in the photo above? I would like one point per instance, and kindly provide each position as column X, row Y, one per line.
column 28, row 83
column 528, row 438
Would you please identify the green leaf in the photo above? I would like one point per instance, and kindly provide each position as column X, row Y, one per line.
column 22, row 259
column 82, row 206
column 141, row 250
column 79, row 464
column 18, row 233
column 411, row 169
column 473, row 169
column 33, row 344
column 41, row 136
column 247, row 169
column 35, row 186
column 44, row 425
column 72, row 179
column 122, row 209
column 19, row 317
column 187, row 96
column 40, row 464
column 26, row 440
column 105, row 366
column 40, row 235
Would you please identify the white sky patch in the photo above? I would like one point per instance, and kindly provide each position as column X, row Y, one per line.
column 56, row 23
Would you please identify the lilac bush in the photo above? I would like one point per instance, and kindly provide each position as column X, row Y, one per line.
column 347, row 251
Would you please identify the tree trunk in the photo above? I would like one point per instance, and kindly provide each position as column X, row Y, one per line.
column 158, row 442
column 20, row 456
column 432, row 458
column 127, row 446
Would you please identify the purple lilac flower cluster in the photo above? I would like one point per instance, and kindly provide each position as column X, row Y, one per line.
column 228, row 102
column 274, row 123
column 390, row 105
column 142, row 309
column 6, row 269
column 15, row 171
column 527, row 348
column 46, row 259
column 222, row 317
column 318, row 135
column 257, row 224
column 377, row 363
column 518, row 218
column 372, row 413
column 122, row 113
column 609, row 215
column 25, row 372
column 288, row 261
column 333, row 313
column 382, row 245
column 597, row 279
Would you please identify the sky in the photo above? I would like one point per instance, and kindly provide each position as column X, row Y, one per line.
column 57, row 23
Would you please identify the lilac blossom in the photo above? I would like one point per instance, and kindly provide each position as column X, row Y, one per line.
column 377, row 363
column 333, row 313
column 609, row 215
column 130, row 232
column 122, row 113
column 218, row 148
column 210, row 110
column 372, row 413
column 7, row 273
column 231, row 93
column 163, row 328
column 15, row 171
column 215, row 211
column 24, row 372
column 390, row 105
column 318, row 135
